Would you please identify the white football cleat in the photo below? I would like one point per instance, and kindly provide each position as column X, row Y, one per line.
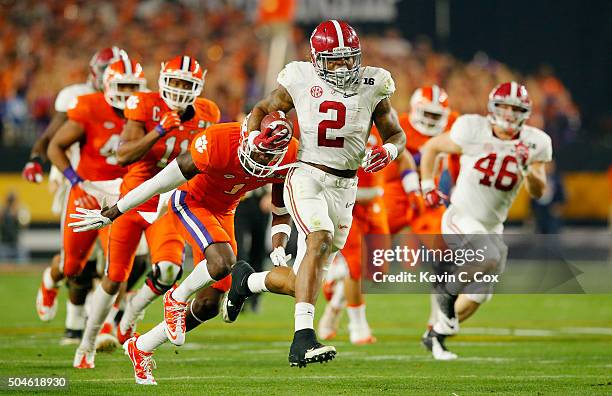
column 439, row 352
column 142, row 361
column 46, row 303
column 174, row 318
column 361, row 335
column 84, row 359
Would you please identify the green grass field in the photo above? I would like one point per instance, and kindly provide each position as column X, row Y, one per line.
column 538, row 344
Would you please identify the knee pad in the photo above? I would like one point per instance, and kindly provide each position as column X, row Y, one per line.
column 163, row 275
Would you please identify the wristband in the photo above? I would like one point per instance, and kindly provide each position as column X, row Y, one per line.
column 427, row 185
column 160, row 130
column 391, row 149
column 410, row 181
column 72, row 176
column 284, row 228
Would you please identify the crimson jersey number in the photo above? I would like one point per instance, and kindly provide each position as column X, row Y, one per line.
column 338, row 123
column 505, row 180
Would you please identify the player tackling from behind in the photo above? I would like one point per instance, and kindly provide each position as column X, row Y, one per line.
column 498, row 152
column 336, row 100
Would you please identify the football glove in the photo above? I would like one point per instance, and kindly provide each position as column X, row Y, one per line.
column 32, row 171
column 279, row 257
column 379, row 157
column 433, row 196
column 169, row 121
column 521, row 151
column 90, row 219
column 82, row 198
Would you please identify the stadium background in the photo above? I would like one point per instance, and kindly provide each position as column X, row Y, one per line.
column 516, row 344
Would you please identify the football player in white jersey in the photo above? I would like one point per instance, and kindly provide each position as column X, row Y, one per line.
column 336, row 100
column 498, row 152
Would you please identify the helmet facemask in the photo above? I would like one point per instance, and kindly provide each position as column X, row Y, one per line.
column 178, row 98
column 428, row 118
column 254, row 161
column 509, row 115
column 345, row 78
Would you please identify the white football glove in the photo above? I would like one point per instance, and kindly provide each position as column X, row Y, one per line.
column 91, row 219
column 279, row 257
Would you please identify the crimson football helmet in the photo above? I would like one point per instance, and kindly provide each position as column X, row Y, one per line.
column 98, row 63
column 121, row 79
column 510, row 94
column 183, row 68
column 333, row 41
column 429, row 110
column 262, row 162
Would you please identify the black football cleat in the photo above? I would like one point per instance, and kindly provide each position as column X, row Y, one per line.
column 434, row 343
column 71, row 337
column 239, row 291
column 305, row 349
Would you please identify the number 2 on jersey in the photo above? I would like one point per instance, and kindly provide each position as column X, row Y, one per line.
column 505, row 180
column 163, row 161
column 338, row 123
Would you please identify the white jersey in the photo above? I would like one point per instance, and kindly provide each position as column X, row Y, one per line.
column 490, row 178
column 334, row 129
column 67, row 95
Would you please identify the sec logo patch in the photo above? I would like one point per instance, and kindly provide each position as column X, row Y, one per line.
column 316, row 91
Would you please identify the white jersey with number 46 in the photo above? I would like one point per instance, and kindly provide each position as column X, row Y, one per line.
column 490, row 178
column 334, row 128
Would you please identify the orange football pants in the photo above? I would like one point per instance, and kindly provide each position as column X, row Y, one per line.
column 165, row 243
column 77, row 246
column 201, row 227
column 368, row 218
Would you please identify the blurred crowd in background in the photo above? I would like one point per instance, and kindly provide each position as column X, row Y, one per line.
column 46, row 45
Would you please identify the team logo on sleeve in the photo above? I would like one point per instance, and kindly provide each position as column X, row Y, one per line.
column 132, row 102
column 73, row 103
column 316, row 91
column 201, row 143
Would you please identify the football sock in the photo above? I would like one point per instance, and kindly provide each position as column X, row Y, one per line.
column 47, row 280
column 198, row 279
column 337, row 301
column 100, row 306
column 357, row 316
column 257, row 282
column 152, row 339
column 304, row 316
column 75, row 316
column 110, row 317
column 136, row 305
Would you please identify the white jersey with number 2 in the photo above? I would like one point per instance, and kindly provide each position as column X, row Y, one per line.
column 334, row 129
column 489, row 179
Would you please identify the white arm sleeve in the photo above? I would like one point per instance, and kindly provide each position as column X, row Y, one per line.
column 168, row 178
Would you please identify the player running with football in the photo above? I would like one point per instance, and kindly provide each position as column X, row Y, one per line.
column 160, row 126
column 498, row 152
column 95, row 122
column 336, row 100
column 223, row 164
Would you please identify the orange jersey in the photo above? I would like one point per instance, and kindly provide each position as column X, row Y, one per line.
column 148, row 108
column 223, row 181
column 102, row 125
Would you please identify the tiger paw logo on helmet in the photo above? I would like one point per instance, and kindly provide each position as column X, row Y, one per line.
column 201, row 143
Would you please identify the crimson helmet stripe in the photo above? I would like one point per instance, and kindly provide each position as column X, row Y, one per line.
column 338, row 32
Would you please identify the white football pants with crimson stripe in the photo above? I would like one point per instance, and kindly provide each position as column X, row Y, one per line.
column 317, row 201
column 458, row 222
